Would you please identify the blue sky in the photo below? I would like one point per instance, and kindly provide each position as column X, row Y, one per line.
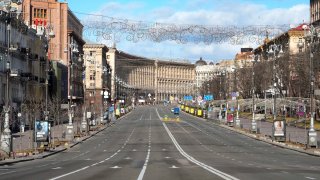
column 203, row 12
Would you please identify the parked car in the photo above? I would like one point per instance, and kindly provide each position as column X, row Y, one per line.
column 176, row 110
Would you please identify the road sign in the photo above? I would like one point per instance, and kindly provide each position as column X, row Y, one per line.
column 208, row 97
column 234, row 94
column 187, row 98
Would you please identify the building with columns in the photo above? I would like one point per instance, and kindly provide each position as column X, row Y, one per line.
column 137, row 77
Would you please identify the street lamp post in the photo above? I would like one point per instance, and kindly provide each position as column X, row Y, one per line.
column 274, row 51
column 48, row 34
column 220, row 92
column 104, row 94
column 6, row 139
column 72, row 49
column 236, row 94
column 312, row 38
column 255, row 59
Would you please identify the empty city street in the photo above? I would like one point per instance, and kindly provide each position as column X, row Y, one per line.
column 141, row 146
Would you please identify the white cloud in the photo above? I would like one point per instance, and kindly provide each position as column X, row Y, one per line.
column 224, row 13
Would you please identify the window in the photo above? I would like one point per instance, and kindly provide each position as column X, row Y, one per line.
column 40, row 13
column 92, row 75
column 92, row 53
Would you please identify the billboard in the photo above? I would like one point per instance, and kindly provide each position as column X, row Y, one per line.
column 279, row 129
column 41, row 131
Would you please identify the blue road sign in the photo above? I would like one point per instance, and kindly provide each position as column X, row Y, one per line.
column 208, row 97
column 187, row 98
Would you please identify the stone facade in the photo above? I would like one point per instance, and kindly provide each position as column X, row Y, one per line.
column 137, row 77
column 97, row 77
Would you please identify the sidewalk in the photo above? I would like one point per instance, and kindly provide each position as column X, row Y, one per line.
column 21, row 141
column 296, row 137
column 22, row 144
column 294, row 134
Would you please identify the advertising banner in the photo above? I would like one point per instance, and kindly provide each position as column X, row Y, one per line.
column 230, row 118
column 300, row 110
column 278, row 128
column 41, row 131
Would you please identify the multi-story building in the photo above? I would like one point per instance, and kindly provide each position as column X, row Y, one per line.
column 244, row 57
column 97, row 81
column 207, row 72
column 315, row 12
column 150, row 79
column 23, row 56
column 65, row 48
column 290, row 43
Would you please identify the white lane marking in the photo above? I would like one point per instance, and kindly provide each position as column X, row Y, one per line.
column 94, row 164
column 174, row 167
column 143, row 170
column 7, row 172
column 128, row 158
column 167, row 157
column 72, row 172
column 43, row 165
column 115, row 167
column 56, row 168
column 78, row 170
column 310, row 178
column 134, row 150
column 164, row 149
column 190, row 158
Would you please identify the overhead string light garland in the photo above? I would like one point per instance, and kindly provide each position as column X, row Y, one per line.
column 116, row 29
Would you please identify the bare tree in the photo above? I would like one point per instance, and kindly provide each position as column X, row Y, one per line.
column 245, row 82
column 32, row 107
column 55, row 111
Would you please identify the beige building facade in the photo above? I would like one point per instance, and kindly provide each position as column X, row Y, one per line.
column 153, row 80
column 97, row 77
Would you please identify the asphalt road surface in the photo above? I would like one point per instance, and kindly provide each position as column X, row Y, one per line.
column 141, row 146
